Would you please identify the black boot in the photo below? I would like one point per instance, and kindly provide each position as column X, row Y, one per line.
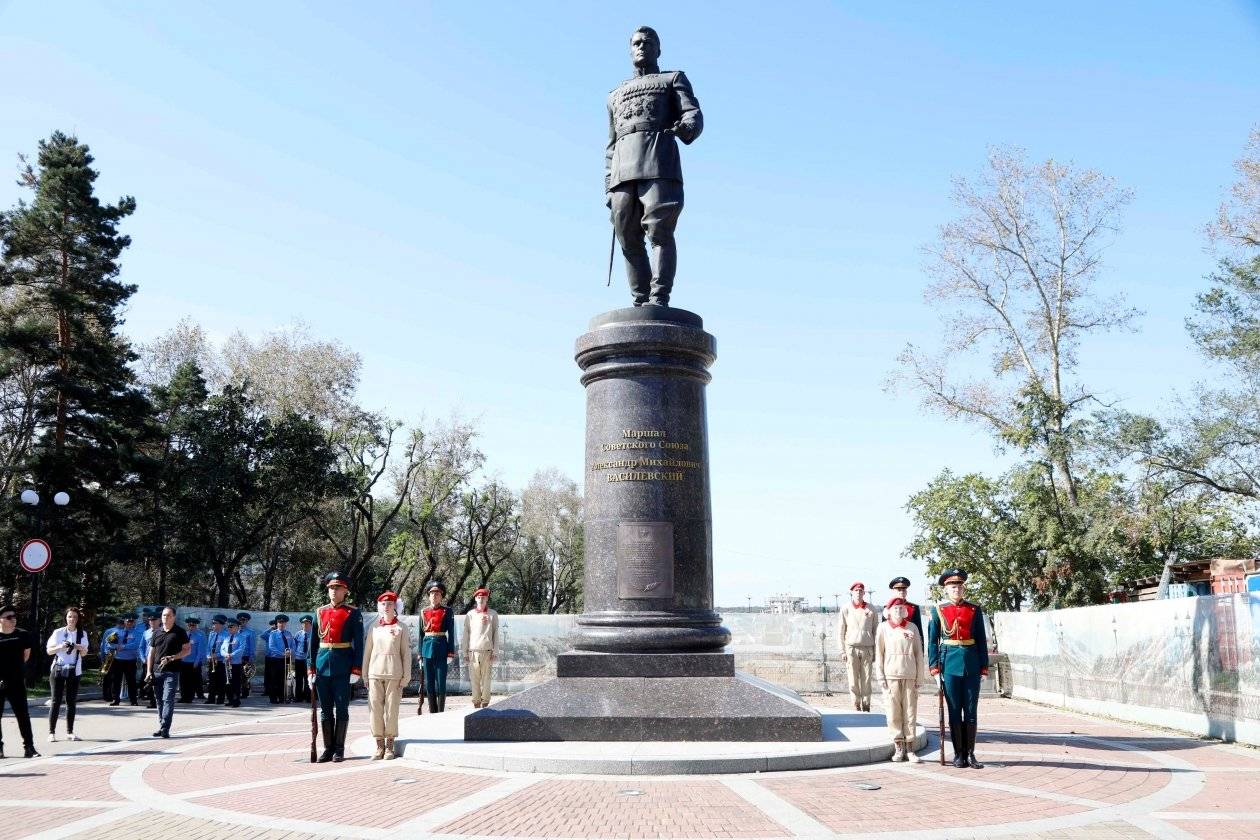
column 957, row 740
column 433, row 701
column 326, row 728
column 970, row 729
column 339, row 740
column 441, row 702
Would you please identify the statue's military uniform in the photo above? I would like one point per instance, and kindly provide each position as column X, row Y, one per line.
column 643, row 173
column 958, row 650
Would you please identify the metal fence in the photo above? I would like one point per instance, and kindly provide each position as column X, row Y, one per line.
column 1184, row 663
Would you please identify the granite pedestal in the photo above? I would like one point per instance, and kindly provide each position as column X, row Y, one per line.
column 647, row 664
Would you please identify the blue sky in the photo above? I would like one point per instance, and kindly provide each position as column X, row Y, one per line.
column 423, row 182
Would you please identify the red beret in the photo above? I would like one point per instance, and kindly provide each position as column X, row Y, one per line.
column 387, row 596
column 895, row 602
column 856, row 585
column 482, row 591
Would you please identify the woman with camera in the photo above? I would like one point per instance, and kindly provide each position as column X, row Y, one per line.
column 67, row 645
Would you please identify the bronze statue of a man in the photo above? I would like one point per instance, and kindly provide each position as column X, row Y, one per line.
column 643, row 173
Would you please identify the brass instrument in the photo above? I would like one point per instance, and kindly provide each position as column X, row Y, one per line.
column 112, row 638
column 290, row 677
column 248, row 671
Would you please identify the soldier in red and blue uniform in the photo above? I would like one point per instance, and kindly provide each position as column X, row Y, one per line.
column 437, row 645
column 958, row 654
column 335, row 655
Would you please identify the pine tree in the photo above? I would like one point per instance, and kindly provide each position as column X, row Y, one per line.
column 59, row 258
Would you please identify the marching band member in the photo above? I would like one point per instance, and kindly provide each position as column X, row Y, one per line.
column 280, row 644
column 301, row 644
column 232, row 658
column 249, row 645
column 190, row 668
column 216, row 671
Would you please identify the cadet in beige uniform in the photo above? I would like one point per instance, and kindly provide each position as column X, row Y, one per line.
column 386, row 670
column 857, row 643
column 479, row 643
column 899, row 666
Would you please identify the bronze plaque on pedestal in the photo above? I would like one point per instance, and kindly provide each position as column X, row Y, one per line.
column 645, row 560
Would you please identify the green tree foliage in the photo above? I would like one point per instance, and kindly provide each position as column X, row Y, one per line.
column 971, row 522
column 65, row 364
column 233, row 474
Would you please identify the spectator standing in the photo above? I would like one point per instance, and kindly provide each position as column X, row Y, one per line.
column 167, row 646
column 67, row 645
column 15, row 650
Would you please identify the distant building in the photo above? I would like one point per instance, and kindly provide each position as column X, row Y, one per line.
column 1219, row 576
column 786, row 604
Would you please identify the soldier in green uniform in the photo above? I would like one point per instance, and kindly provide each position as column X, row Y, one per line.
column 335, row 656
column 958, row 655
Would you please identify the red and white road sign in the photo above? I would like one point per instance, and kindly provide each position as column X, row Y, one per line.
column 35, row 555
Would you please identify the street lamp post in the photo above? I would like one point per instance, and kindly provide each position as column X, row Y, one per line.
column 35, row 522
column 749, row 607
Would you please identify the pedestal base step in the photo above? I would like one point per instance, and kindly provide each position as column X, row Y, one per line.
column 585, row 664
column 738, row 708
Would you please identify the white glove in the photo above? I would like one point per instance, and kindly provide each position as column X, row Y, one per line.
column 354, row 678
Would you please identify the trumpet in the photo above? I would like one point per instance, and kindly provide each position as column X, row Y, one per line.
column 213, row 659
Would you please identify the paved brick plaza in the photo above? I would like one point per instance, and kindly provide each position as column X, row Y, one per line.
column 245, row 774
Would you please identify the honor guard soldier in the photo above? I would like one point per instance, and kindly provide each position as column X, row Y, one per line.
column 958, row 653
column 480, row 641
column 249, row 646
column 437, row 646
column 914, row 614
column 301, row 644
column 216, row 671
column 190, row 668
column 899, row 667
column 386, row 670
column 125, row 657
column 232, row 655
column 146, row 639
column 856, row 636
column 335, row 655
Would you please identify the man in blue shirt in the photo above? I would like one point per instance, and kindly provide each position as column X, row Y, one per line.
column 301, row 641
column 126, row 654
column 280, row 644
column 249, row 644
column 232, row 657
column 190, row 667
column 267, row 675
column 216, row 672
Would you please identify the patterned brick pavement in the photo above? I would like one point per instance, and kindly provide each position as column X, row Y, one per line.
column 1049, row 774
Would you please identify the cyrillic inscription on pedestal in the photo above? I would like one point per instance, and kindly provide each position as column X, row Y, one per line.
column 645, row 560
